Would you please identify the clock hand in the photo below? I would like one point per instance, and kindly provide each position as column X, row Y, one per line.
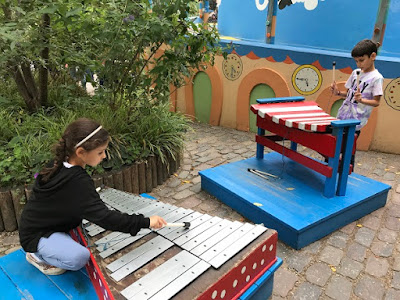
column 303, row 79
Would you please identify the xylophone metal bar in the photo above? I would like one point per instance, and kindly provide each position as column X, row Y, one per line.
column 125, row 239
column 138, row 257
column 154, row 282
column 116, row 237
column 236, row 245
column 205, row 235
column 177, row 232
column 193, row 233
column 210, row 242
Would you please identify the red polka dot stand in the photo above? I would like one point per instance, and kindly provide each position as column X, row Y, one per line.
column 95, row 275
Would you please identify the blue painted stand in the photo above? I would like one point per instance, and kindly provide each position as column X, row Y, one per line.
column 21, row 280
column 293, row 204
column 343, row 130
column 262, row 288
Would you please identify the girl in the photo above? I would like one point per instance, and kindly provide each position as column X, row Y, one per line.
column 63, row 195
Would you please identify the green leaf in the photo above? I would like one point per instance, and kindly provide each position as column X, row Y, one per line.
column 12, row 45
column 48, row 10
column 73, row 12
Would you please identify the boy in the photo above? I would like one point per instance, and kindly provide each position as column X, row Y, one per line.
column 360, row 102
column 364, row 91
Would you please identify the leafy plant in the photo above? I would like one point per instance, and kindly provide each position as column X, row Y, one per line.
column 139, row 55
column 128, row 44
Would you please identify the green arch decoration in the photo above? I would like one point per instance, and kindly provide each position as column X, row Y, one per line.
column 335, row 107
column 259, row 91
column 202, row 95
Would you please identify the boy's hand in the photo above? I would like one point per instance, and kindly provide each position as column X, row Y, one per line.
column 333, row 88
column 157, row 222
column 357, row 97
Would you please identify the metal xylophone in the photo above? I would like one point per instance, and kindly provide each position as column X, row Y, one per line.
column 304, row 122
column 213, row 259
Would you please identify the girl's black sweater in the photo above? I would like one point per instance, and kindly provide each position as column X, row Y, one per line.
column 61, row 204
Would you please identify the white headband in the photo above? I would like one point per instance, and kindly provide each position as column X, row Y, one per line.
column 89, row 136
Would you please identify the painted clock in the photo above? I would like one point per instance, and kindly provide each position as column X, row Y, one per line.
column 392, row 94
column 306, row 79
column 232, row 66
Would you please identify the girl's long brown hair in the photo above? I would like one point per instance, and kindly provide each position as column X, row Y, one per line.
column 65, row 148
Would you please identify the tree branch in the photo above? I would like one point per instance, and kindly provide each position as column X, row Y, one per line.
column 22, row 88
column 43, row 70
column 29, row 81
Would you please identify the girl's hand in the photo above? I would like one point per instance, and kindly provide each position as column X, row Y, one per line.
column 157, row 222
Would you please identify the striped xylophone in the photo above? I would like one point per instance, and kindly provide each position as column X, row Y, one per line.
column 213, row 259
column 301, row 115
column 304, row 122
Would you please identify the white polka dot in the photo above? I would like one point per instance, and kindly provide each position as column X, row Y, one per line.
column 235, row 282
column 264, row 247
column 254, row 266
column 100, row 282
column 94, row 275
column 262, row 261
column 223, row 293
column 247, row 278
column 214, row 295
column 243, row 269
column 271, row 247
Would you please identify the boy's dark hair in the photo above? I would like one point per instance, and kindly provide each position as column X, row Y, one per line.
column 364, row 47
column 66, row 146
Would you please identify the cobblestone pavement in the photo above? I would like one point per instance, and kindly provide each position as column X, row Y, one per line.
column 358, row 261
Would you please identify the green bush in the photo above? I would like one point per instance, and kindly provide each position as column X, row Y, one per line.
column 138, row 53
column 136, row 131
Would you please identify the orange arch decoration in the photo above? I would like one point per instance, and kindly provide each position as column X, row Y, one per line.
column 326, row 100
column 260, row 76
column 216, row 95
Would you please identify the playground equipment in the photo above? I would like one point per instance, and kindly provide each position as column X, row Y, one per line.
column 213, row 257
column 287, row 50
column 274, row 43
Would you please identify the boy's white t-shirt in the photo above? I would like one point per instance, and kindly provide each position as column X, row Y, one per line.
column 371, row 84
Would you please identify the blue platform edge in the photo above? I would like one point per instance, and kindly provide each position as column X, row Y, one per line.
column 293, row 204
column 21, row 280
column 262, row 288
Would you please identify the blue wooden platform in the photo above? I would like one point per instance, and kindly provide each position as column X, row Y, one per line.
column 293, row 204
column 21, row 280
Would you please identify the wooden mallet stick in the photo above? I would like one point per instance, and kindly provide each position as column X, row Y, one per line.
column 184, row 224
column 333, row 71
column 358, row 79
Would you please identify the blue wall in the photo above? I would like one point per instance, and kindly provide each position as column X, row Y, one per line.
column 391, row 40
column 242, row 19
column 332, row 25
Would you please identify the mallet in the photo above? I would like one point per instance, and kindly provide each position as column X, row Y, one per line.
column 333, row 71
column 358, row 79
column 183, row 224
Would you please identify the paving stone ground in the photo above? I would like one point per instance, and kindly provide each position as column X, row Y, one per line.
column 358, row 261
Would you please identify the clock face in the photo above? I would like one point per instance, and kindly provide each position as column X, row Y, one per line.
column 392, row 94
column 307, row 79
column 232, row 66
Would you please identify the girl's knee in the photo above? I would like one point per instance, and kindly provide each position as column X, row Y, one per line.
column 79, row 260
